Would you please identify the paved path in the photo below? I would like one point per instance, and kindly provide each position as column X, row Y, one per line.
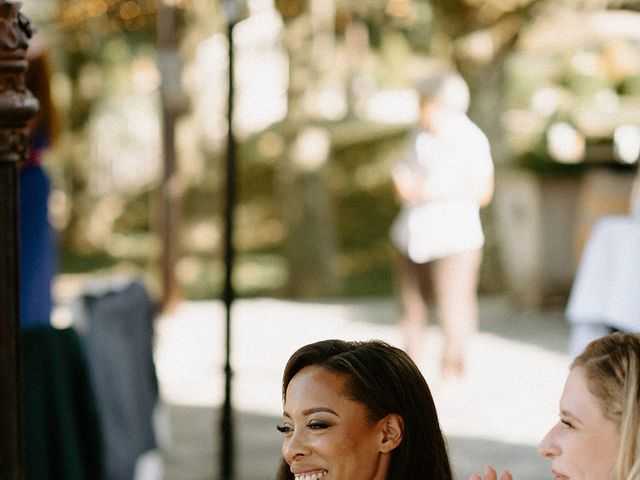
column 497, row 415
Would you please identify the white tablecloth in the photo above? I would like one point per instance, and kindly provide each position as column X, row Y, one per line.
column 606, row 289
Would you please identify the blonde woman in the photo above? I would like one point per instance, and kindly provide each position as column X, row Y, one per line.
column 597, row 436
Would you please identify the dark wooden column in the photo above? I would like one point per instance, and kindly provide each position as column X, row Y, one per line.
column 17, row 106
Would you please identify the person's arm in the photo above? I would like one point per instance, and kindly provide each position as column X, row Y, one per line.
column 406, row 184
column 487, row 195
column 402, row 175
column 485, row 175
column 491, row 474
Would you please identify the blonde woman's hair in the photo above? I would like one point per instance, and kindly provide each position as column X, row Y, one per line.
column 612, row 368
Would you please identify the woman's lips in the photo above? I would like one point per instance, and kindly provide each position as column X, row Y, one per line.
column 558, row 476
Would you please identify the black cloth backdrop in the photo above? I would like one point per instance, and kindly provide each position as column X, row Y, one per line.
column 63, row 440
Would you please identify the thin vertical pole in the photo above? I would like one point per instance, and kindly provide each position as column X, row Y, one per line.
column 229, row 294
column 17, row 106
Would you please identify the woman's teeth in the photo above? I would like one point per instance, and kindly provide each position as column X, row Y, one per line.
column 311, row 476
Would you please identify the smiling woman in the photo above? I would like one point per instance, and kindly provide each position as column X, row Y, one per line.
column 358, row 411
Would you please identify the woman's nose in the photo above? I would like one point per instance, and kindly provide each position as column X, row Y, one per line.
column 548, row 447
column 294, row 446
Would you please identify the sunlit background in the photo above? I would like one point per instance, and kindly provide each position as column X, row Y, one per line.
column 346, row 71
column 323, row 98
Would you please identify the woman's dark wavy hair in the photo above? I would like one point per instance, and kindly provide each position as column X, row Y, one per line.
column 385, row 380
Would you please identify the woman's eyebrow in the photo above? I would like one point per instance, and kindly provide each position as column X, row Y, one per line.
column 319, row 409
column 314, row 410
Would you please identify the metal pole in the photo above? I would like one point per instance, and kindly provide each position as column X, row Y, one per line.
column 17, row 106
column 227, row 431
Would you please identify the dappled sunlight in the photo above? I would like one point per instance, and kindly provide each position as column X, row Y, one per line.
column 565, row 143
column 310, row 151
column 202, row 237
column 254, row 272
column 125, row 134
column 546, row 101
column 393, row 106
column 131, row 245
column 626, row 143
column 190, row 269
column 261, row 72
column 208, row 68
column 271, row 145
column 327, row 102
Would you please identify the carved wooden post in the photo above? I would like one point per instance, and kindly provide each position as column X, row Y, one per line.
column 17, row 106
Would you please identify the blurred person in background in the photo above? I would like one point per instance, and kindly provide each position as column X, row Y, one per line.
column 442, row 180
column 597, row 436
column 38, row 246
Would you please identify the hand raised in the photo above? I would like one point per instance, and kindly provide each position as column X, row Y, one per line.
column 490, row 474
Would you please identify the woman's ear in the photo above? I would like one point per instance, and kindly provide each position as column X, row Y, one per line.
column 392, row 432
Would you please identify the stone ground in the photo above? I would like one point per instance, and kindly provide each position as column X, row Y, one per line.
column 496, row 415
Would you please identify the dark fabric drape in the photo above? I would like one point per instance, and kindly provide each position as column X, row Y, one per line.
column 61, row 425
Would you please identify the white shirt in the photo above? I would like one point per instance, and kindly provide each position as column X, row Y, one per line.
column 445, row 169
